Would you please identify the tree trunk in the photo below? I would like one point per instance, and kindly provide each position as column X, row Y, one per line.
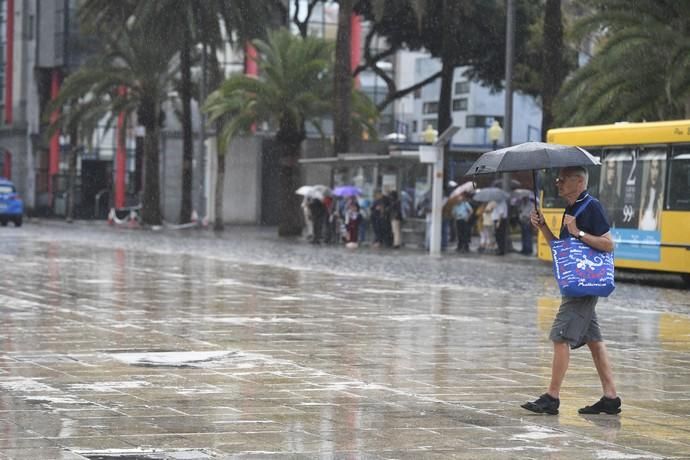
column 215, row 80
column 72, row 173
column 445, row 118
column 288, row 141
column 218, row 224
column 187, row 148
column 552, row 62
column 290, row 219
column 150, row 206
column 342, row 81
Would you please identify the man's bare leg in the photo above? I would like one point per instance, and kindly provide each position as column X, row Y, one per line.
column 559, row 366
column 601, row 361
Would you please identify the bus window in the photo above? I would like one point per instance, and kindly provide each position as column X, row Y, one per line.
column 652, row 166
column 620, row 187
column 551, row 198
column 679, row 179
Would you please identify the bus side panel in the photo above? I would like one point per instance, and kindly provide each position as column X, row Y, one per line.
column 553, row 220
column 675, row 230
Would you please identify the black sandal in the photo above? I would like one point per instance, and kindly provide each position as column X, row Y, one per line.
column 545, row 404
column 611, row 406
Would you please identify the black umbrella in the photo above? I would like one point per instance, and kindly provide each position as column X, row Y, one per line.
column 532, row 156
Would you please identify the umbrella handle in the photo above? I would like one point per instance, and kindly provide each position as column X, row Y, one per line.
column 536, row 191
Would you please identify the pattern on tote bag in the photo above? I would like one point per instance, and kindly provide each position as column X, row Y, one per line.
column 581, row 270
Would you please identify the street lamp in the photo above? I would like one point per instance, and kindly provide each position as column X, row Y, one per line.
column 429, row 134
column 495, row 133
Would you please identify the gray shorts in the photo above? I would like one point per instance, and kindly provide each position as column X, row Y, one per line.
column 576, row 322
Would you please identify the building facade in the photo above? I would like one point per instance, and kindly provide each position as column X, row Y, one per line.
column 474, row 108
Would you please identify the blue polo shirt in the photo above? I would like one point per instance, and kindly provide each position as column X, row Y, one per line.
column 592, row 219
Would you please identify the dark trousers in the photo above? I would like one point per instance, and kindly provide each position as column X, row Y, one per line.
column 463, row 231
column 377, row 226
column 318, row 220
column 501, row 233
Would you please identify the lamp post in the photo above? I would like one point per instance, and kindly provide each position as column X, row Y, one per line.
column 495, row 133
column 434, row 154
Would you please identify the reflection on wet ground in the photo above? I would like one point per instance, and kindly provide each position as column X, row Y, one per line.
column 157, row 346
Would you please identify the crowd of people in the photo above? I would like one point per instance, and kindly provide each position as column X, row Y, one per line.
column 332, row 219
column 378, row 222
column 490, row 220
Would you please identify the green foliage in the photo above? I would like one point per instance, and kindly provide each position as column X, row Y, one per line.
column 462, row 33
column 295, row 88
column 132, row 61
column 639, row 67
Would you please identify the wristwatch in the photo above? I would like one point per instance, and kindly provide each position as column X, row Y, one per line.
column 580, row 235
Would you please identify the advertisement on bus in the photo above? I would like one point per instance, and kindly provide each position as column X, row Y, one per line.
column 632, row 191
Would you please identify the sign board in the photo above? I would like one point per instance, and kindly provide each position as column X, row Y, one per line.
column 428, row 153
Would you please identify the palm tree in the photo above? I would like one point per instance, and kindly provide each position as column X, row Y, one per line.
column 141, row 63
column 296, row 88
column 553, row 63
column 205, row 22
column 639, row 70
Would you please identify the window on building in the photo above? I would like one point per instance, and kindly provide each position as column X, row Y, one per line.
column 430, row 107
column 462, row 87
column 481, row 121
column 414, row 126
column 430, row 121
column 459, row 104
column 418, row 93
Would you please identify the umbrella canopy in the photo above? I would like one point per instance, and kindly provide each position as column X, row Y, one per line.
column 514, row 183
column 490, row 194
column 531, row 156
column 304, row 190
column 318, row 192
column 467, row 187
column 346, row 190
column 519, row 193
column 395, row 137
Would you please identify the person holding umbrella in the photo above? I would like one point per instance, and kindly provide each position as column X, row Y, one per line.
column 576, row 322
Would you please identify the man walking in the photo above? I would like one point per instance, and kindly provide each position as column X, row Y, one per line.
column 576, row 322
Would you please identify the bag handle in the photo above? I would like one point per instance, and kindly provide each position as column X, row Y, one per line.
column 583, row 205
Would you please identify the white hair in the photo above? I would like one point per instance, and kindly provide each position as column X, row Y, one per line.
column 578, row 171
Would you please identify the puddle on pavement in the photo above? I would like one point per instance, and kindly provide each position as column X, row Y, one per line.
column 144, row 454
column 173, row 359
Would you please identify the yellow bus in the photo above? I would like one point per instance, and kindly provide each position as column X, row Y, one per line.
column 643, row 183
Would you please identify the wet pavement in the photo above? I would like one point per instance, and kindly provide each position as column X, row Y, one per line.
column 130, row 344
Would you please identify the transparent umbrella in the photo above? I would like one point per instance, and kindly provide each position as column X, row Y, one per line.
column 490, row 194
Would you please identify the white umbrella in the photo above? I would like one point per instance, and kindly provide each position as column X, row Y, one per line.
column 467, row 187
column 304, row 190
column 314, row 191
column 395, row 137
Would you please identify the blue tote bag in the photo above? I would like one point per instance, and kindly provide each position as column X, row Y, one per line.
column 581, row 270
